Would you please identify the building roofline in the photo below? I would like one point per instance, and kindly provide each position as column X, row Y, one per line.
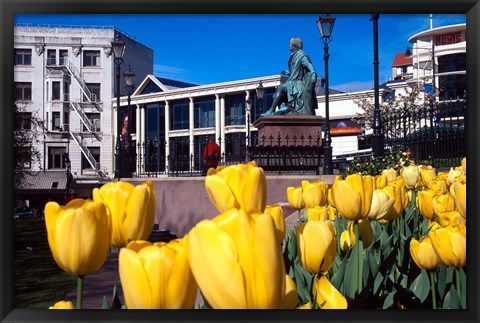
column 438, row 31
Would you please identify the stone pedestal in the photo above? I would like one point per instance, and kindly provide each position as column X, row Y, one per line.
column 287, row 127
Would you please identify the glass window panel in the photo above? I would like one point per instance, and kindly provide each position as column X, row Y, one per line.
column 23, row 56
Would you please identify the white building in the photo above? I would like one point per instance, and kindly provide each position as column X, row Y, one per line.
column 67, row 76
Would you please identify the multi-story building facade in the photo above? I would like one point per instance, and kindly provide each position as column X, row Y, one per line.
column 66, row 75
column 439, row 61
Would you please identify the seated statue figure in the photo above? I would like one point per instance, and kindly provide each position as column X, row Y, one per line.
column 297, row 94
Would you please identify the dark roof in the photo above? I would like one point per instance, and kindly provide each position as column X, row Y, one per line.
column 47, row 181
column 174, row 83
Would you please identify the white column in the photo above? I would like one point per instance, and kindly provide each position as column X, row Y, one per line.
column 247, row 126
column 138, row 135
column 217, row 117
column 191, row 115
column 167, row 132
column 222, row 123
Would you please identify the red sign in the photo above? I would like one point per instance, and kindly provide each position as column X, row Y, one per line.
column 448, row 39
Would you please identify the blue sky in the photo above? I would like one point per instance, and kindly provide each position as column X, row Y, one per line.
column 204, row 49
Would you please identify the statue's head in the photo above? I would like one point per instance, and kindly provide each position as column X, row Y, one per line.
column 296, row 43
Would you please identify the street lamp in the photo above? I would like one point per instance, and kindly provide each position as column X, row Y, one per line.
column 325, row 26
column 129, row 78
column 248, row 108
column 118, row 47
column 260, row 93
column 377, row 138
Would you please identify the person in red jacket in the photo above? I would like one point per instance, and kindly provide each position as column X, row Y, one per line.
column 211, row 156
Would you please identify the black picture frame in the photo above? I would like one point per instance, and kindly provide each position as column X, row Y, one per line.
column 8, row 9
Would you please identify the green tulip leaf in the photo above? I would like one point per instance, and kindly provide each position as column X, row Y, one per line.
column 421, row 286
column 105, row 304
column 463, row 282
column 354, row 272
column 338, row 278
column 451, row 300
column 441, row 280
column 388, row 303
column 379, row 279
column 373, row 262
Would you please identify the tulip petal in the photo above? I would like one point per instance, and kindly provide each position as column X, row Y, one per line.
column 220, row 193
column 212, row 253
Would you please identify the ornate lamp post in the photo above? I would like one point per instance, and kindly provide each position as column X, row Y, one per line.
column 129, row 78
column 118, row 47
column 260, row 93
column 377, row 139
column 325, row 26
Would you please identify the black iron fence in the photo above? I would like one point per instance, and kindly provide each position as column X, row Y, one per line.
column 434, row 134
column 275, row 155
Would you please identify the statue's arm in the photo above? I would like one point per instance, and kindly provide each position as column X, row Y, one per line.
column 307, row 64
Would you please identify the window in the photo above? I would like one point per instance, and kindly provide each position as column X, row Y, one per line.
column 179, row 116
column 66, row 91
column 55, row 120
column 91, row 58
column 66, row 120
column 95, row 90
column 23, row 56
column 94, row 120
column 23, row 121
column 95, row 151
column 55, row 90
column 55, row 157
column 23, row 91
column 51, row 57
column 235, row 110
column 63, row 57
column 23, row 157
column 205, row 113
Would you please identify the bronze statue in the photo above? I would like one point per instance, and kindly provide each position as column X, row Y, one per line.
column 297, row 94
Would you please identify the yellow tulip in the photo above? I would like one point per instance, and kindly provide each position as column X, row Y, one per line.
column 237, row 262
column 461, row 198
column 439, row 186
column 464, row 164
column 390, row 173
column 314, row 193
column 276, row 212
column 411, row 175
column 78, row 235
column 295, row 197
column 452, row 174
column 400, row 197
column 345, row 241
column 319, row 213
column 427, row 175
column 237, row 186
column 332, row 212
column 381, row 205
column 451, row 218
column 329, row 198
column 425, row 204
column 316, row 245
column 398, row 182
column 290, row 300
column 423, row 253
column 132, row 209
column 450, row 244
column 305, row 306
column 62, row 305
column 443, row 176
column 380, row 181
column 328, row 297
column 353, row 196
column 443, row 203
column 157, row 276
column 365, row 232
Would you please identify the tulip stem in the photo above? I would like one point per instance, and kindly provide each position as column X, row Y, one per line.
column 79, row 292
column 357, row 258
column 432, row 284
